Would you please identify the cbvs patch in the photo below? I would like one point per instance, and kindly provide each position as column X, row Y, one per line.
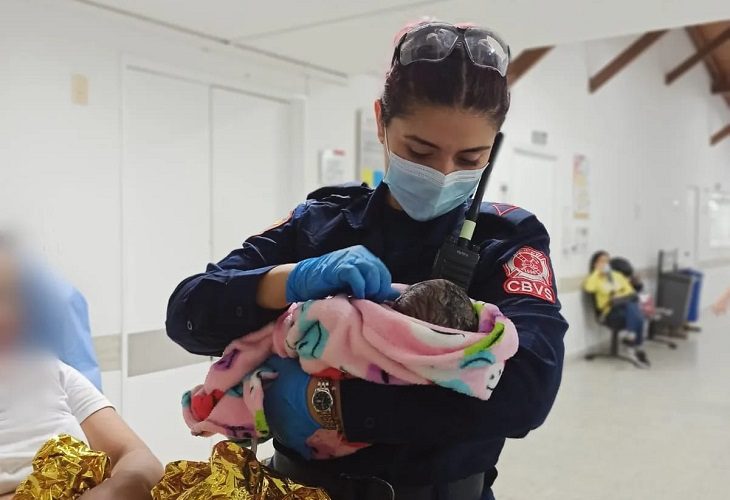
column 528, row 273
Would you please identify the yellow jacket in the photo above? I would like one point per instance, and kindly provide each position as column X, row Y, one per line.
column 604, row 289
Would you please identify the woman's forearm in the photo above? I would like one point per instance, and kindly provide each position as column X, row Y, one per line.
column 207, row 311
column 271, row 293
column 135, row 474
column 132, row 478
column 135, row 470
column 722, row 304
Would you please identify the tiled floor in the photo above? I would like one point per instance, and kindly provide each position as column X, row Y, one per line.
column 620, row 433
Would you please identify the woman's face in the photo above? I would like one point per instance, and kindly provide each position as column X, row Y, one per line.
column 602, row 262
column 444, row 138
column 9, row 301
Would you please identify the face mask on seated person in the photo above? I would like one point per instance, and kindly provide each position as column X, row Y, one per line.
column 425, row 193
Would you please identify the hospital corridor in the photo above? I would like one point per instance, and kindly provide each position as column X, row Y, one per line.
column 347, row 250
column 659, row 436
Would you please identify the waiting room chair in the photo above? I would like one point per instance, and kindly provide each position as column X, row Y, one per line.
column 613, row 351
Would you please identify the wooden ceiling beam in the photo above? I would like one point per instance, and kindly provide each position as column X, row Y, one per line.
column 713, row 67
column 623, row 59
column 720, row 135
column 698, row 56
column 710, row 62
column 523, row 62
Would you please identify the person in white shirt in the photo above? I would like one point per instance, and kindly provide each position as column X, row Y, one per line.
column 41, row 397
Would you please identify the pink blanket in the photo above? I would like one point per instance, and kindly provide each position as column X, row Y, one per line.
column 342, row 337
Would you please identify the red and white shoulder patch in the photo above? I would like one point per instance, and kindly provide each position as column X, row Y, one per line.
column 528, row 273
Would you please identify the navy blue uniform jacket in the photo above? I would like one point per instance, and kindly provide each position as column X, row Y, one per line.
column 422, row 434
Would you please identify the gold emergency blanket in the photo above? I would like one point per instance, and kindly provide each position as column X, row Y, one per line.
column 63, row 469
column 232, row 474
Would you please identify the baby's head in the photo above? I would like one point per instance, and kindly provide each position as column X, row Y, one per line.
column 439, row 302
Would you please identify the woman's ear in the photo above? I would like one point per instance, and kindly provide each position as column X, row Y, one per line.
column 378, row 106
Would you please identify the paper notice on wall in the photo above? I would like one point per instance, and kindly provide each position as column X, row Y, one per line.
column 575, row 237
column 370, row 157
column 333, row 167
column 581, row 239
column 718, row 208
column 581, row 188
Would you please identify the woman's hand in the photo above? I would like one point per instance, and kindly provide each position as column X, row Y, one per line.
column 135, row 470
column 722, row 304
column 720, row 307
column 354, row 270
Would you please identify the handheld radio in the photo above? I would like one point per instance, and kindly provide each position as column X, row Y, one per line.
column 458, row 257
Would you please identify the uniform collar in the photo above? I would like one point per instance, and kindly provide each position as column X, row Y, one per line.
column 363, row 213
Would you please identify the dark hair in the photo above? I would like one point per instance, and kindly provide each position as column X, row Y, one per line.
column 623, row 266
column 595, row 257
column 439, row 302
column 454, row 82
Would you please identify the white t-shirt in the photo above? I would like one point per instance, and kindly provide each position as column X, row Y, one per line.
column 39, row 398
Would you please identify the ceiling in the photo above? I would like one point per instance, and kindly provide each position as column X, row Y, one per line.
column 354, row 36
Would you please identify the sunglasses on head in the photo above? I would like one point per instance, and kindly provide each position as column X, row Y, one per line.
column 434, row 42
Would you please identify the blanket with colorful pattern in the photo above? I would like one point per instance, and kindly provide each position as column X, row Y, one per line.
column 342, row 337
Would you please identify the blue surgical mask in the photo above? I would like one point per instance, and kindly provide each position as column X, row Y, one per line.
column 425, row 193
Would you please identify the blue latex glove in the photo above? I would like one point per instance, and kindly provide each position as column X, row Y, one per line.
column 286, row 408
column 354, row 270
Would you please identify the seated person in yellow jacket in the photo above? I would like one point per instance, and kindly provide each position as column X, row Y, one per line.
column 616, row 300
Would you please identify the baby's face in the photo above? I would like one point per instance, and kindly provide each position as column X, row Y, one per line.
column 9, row 301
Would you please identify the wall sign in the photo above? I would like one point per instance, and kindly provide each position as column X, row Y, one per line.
column 581, row 188
column 333, row 167
column 370, row 157
column 719, row 211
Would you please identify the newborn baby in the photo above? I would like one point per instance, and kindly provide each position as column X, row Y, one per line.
column 439, row 302
column 433, row 334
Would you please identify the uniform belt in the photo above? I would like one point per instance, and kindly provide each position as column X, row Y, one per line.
column 351, row 487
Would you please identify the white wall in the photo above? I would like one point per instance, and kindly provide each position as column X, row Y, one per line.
column 330, row 120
